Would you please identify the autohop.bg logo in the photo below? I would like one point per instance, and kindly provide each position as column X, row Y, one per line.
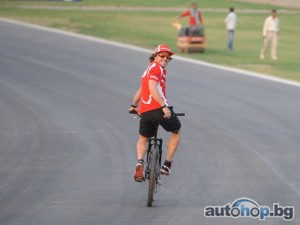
column 248, row 208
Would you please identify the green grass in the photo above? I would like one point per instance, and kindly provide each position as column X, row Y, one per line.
column 152, row 3
column 148, row 28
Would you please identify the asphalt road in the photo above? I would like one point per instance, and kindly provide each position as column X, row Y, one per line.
column 67, row 151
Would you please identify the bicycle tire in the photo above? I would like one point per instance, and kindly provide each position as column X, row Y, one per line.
column 153, row 163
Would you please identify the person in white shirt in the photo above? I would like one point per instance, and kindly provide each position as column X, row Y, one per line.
column 270, row 35
column 230, row 21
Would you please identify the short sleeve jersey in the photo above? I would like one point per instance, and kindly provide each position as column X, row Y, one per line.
column 157, row 73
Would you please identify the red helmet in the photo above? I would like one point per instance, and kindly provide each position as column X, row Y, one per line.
column 163, row 48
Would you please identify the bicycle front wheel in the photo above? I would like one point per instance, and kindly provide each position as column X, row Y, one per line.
column 154, row 168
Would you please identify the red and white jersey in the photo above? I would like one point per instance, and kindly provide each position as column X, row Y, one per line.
column 157, row 73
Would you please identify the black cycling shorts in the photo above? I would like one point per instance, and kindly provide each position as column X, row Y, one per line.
column 150, row 119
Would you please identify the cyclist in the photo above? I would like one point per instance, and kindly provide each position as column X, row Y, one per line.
column 151, row 104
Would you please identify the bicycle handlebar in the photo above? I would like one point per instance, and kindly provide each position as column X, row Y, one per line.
column 133, row 112
column 177, row 114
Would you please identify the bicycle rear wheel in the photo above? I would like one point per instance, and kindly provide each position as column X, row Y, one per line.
column 154, row 168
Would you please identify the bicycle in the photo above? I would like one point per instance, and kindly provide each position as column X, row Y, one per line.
column 153, row 163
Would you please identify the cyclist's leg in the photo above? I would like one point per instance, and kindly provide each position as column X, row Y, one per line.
column 172, row 125
column 141, row 147
column 171, row 150
column 172, row 145
column 141, row 151
column 145, row 130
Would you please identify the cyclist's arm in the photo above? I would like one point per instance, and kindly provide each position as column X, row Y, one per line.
column 156, row 96
column 155, row 93
column 137, row 97
column 136, row 100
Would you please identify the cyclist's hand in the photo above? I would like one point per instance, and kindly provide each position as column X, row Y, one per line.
column 133, row 110
column 167, row 112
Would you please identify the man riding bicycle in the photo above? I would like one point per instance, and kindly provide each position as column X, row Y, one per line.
column 154, row 109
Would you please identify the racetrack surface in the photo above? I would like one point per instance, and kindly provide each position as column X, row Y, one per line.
column 67, row 152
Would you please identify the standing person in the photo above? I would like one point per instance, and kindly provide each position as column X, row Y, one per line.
column 154, row 108
column 196, row 20
column 270, row 35
column 230, row 21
